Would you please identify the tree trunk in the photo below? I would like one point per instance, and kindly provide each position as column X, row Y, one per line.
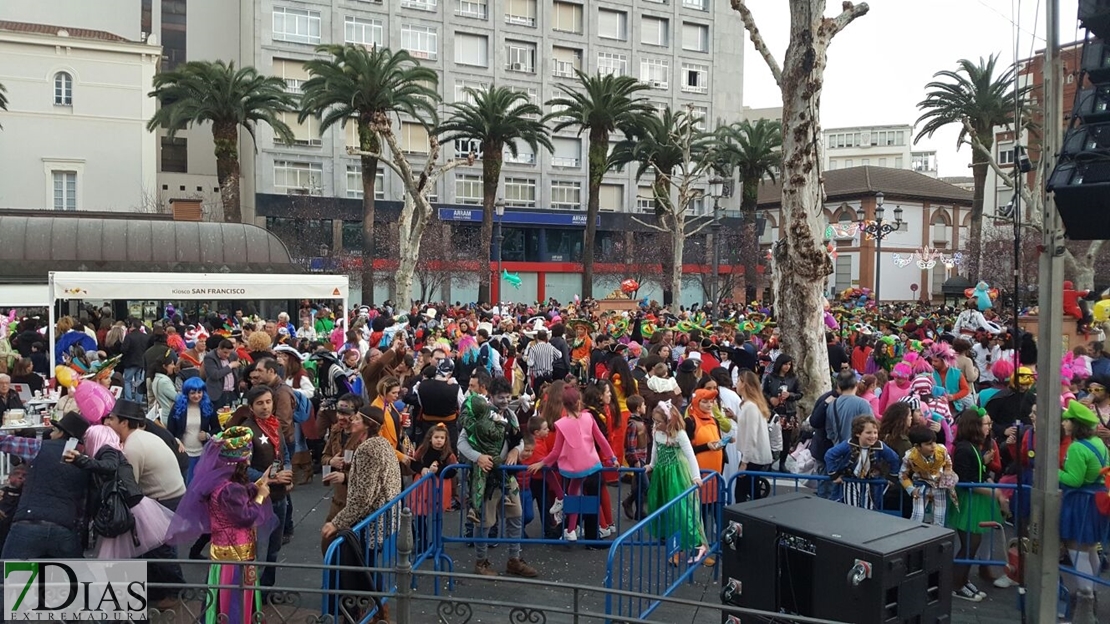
column 979, row 167
column 678, row 244
column 226, row 136
column 661, row 188
column 1082, row 267
column 414, row 219
column 368, row 142
column 749, row 237
column 802, row 265
column 491, row 179
column 599, row 156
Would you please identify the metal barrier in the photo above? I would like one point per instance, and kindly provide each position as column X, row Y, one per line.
column 378, row 536
column 656, row 555
column 591, row 506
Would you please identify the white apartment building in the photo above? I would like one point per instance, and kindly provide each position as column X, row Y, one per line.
column 74, row 136
column 876, row 146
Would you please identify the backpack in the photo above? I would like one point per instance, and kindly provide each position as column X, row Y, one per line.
column 1102, row 497
column 302, row 407
column 117, row 496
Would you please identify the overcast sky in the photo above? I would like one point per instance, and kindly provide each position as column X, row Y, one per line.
column 879, row 66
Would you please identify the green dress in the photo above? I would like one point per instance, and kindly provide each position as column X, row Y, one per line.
column 974, row 507
column 670, row 477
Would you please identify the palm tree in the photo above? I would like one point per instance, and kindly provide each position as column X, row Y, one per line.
column 971, row 94
column 498, row 118
column 754, row 150
column 600, row 106
column 652, row 145
column 356, row 85
column 227, row 97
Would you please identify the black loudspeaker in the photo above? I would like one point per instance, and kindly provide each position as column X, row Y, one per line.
column 1087, row 143
column 1082, row 193
column 1094, row 15
column 798, row 554
column 1096, row 62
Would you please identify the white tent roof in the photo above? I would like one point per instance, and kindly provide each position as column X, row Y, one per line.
column 91, row 285
column 24, row 296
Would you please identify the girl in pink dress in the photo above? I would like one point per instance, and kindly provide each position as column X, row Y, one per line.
column 577, row 440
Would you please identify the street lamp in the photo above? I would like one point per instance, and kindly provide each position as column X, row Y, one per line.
column 878, row 230
column 716, row 188
column 499, row 210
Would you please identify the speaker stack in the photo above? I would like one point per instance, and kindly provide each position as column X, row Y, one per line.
column 1081, row 180
column 798, row 554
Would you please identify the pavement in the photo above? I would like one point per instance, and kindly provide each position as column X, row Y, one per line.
column 555, row 564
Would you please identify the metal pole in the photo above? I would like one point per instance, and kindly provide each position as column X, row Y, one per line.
column 1020, row 494
column 500, row 242
column 878, row 258
column 1043, row 576
column 715, row 286
column 404, row 568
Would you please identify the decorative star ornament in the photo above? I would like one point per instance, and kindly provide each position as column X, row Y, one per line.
column 262, row 439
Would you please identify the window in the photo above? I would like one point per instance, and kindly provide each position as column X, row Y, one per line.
column 521, row 56
column 701, row 5
column 468, row 189
column 566, row 61
column 363, row 31
column 422, row 5
column 865, row 162
column 292, row 72
column 296, row 25
column 610, row 197
column 566, row 195
column 354, row 183
column 421, row 41
column 832, row 164
column 524, row 154
column 653, row 31
column 65, row 190
column 175, row 155
column 848, row 163
column 533, row 96
column 298, row 178
column 612, row 64
column 471, row 50
column 612, row 24
column 1006, row 154
column 897, row 162
column 700, row 115
column 307, row 133
column 655, row 73
column 63, row 89
column 520, row 192
column 567, row 17
column 521, row 12
column 414, row 138
column 695, row 78
column 567, row 152
column 888, row 137
column 472, row 8
column 645, row 199
column 940, row 274
column 465, row 147
column 940, row 229
column 882, row 162
column 695, row 37
column 843, row 272
column 462, row 85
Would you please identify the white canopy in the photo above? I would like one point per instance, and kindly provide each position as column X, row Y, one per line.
column 24, row 296
column 190, row 286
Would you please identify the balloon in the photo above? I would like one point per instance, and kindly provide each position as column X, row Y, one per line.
column 66, row 376
column 629, row 286
column 1102, row 311
column 94, row 401
column 512, row 278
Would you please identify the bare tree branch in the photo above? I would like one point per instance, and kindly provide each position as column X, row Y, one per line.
column 653, row 226
column 851, row 12
column 354, row 151
column 757, row 39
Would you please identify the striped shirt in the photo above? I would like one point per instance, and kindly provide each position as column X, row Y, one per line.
column 541, row 358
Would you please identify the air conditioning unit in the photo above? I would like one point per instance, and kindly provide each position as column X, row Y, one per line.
column 655, row 84
column 517, row 67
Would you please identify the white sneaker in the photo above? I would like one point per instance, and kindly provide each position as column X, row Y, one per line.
column 604, row 533
column 971, row 586
column 570, row 536
column 557, row 511
column 1004, row 582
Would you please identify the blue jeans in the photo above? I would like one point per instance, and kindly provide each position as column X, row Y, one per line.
column 134, row 383
column 193, row 461
column 42, row 540
column 273, row 546
column 825, row 488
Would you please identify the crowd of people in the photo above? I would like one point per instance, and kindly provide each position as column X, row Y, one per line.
column 221, row 416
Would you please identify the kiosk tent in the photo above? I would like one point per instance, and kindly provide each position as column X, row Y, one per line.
column 189, row 286
column 24, row 296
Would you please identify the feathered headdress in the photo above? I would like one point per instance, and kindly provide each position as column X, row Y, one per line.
column 942, row 351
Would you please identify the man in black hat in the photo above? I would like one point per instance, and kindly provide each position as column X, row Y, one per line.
column 158, row 473
column 50, row 522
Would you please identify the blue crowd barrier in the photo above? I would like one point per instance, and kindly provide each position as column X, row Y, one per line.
column 423, row 497
column 655, row 556
column 459, row 530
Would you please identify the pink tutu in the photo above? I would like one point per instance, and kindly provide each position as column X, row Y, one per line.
column 152, row 521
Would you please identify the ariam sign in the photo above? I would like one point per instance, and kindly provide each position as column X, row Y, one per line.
column 75, row 591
